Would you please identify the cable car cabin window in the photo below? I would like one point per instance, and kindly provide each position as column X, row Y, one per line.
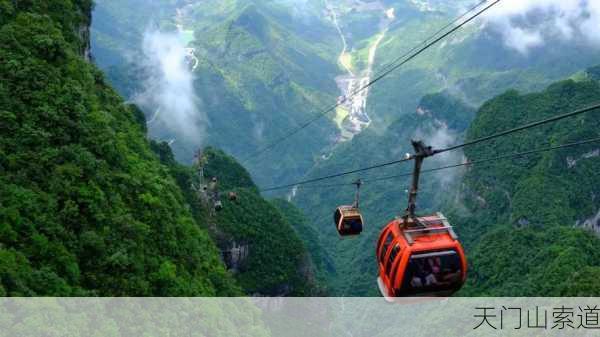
column 352, row 223
column 348, row 220
column 393, row 255
column 431, row 273
column 386, row 244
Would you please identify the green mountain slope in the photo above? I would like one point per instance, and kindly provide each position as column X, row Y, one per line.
column 264, row 78
column 320, row 260
column 259, row 245
column 266, row 66
column 117, row 30
column 277, row 261
column 85, row 206
column 269, row 65
column 439, row 116
column 262, row 71
column 469, row 67
column 522, row 231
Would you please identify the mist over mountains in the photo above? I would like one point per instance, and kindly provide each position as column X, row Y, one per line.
column 169, row 90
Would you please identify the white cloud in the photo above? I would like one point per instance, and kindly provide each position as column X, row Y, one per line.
column 522, row 40
column 169, row 88
column 526, row 24
column 437, row 134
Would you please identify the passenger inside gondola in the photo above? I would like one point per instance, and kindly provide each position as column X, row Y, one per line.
column 348, row 220
column 419, row 276
column 432, row 272
column 353, row 224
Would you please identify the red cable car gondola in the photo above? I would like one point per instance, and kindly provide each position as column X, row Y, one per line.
column 348, row 219
column 419, row 256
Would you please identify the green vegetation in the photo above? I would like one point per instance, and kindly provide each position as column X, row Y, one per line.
column 276, row 255
column 353, row 270
column 85, row 206
column 520, row 232
column 89, row 207
column 470, row 68
column 509, row 261
column 310, row 238
column 266, row 79
column 277, row 262
column 262, row 71
column 117, row 29
column 516, row 218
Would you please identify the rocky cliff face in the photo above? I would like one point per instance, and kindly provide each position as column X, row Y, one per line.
column 81, row 27
column 235, row 255
column 592, row 223
column 84, row 35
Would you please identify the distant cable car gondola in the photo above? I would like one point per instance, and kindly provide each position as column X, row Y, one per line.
column 215, row 196
column 419, row 256
column 348, row 219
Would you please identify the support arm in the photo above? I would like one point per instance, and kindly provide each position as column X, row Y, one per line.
column 421, row 152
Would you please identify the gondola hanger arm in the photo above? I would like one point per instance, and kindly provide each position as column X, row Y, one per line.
column 422, row 151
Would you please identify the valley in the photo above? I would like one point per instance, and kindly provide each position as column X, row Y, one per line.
column 351, row 116
column 262, row 68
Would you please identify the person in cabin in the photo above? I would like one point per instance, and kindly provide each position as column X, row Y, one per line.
column 355, row 225
column 420, row 274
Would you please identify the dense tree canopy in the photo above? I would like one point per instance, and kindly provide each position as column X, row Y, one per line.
column 278, row 262
column 85, row 206
column 521, row 231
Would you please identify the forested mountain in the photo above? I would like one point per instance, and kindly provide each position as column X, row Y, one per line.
column 265, row 67
column 273, row 78
column 527, row 224
column 86, row 207
column 439, row 119
column 259, row 243
column 525, row 219
column 261, row 71
column 102, row 189
column 468, row 68
column 254, row 56
column 89, row 206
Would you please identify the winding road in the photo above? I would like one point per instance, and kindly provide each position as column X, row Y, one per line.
column 353, row 103
column 341, row 58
